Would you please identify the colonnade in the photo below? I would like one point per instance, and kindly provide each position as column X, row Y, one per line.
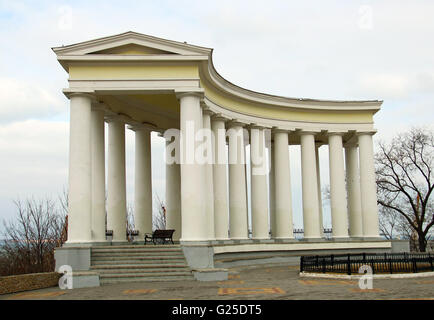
column 208, row 201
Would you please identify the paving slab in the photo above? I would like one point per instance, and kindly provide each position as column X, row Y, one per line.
column 260, row 282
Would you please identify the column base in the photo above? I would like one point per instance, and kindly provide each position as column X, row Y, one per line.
column 373, row 238
column 225, row 241
column 120, row 242
column 357, row 238
column 316, row 239
column 285, row 240
column 241, row 241
column 345, row 238
column 138, row 242
column 264, row 240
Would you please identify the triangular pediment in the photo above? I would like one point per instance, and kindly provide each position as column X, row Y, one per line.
column 132, row 49
column 131, row 43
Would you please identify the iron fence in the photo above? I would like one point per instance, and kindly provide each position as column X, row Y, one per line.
column 379, row 262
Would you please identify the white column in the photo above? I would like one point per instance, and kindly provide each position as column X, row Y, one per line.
column 80, row 179
column 221, row 209
column 353, row 191
column 368, row 187
column 98, row 175
column 338, row 201
column 116, row 196
column 309, row 187
column 209, row 182
column 142, row 181
column 192, row 173
column 283, row 224
column 318, row 178
column 173, row 189
column 259, row 191
column 271, row 190
column 237, row 183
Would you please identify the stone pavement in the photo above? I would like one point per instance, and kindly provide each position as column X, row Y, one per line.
column 264, row 282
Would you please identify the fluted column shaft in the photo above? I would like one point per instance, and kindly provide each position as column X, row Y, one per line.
column 259, row 191
column 368, row 187
column 309, row 187
column 282, row 187
column 338, row 201
column 98, row 176
column 80, row 178
column 237, row 184
column 116, row 196
column 221, row 209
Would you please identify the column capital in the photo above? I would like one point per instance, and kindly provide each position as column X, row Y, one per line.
column 363, row 133
column 117, row 117
column 219, row 117
column 335, row 133
column 195, row 92
column 144, row 126
column 207, row 111
column 280, row 130
column 302, row 132
column 70, row 94
column 236, row 123
column 258, row 126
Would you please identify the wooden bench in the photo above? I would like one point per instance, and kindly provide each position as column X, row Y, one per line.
column 165, row 235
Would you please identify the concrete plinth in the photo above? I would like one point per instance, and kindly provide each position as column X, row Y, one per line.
column 85, row 279
column 199, row 255
column 78, row 258
column 212, row 274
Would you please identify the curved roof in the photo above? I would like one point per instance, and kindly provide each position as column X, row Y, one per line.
column 169, row 50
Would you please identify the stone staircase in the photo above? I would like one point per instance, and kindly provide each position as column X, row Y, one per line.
column 135, row 263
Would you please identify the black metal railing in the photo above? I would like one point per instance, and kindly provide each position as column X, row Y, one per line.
column 379, row 262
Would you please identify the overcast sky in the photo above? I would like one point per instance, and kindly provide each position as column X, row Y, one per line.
column 309, row 49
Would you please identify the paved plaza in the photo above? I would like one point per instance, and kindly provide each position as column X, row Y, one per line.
column 265, row 282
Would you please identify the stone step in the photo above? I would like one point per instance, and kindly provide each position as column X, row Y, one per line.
column 138, row 266
column 142, row 272
column 152, row 274
column 148, row 247
column 137, row 257
column 152, row 251
column 137, row 261
column 105, row 281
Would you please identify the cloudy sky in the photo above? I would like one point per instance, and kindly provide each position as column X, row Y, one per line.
column 312, row 49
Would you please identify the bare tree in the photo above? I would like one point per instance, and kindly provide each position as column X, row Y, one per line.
column 159, row 220
column 393, row 225
column 30, row 239
column 404, row 180
column 130, row 221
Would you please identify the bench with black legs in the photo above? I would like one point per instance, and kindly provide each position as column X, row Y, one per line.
column 164, row 235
